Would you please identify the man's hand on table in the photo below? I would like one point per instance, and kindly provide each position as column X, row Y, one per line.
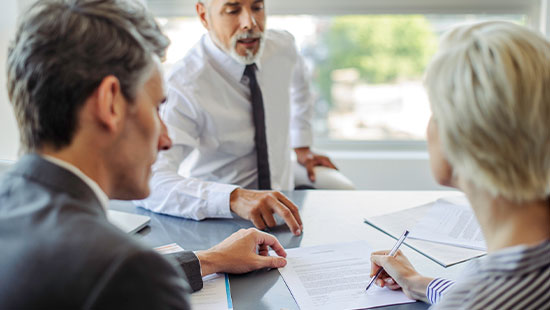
column 399, row 273
column 259, row 206
column 310, row 160
column 244, row 251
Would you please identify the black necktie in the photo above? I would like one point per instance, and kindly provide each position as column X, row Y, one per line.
column 264, row 176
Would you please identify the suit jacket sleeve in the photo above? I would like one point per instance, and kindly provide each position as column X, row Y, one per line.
column 142, row 280
column 190, row 265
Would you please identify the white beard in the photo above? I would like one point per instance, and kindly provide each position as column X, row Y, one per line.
column 250, row 57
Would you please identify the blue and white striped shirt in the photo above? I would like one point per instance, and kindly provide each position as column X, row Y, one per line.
column 513, row 278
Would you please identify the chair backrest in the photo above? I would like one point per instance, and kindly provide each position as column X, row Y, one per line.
column 5, row 165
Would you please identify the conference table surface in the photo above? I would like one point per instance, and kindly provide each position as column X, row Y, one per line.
column 328, row 216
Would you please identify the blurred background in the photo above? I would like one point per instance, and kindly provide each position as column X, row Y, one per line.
column 366, row 59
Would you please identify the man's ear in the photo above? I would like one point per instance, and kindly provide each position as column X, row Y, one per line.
column 110, row 103
column 201, row 12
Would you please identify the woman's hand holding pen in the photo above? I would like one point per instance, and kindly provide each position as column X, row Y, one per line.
column 399, row 273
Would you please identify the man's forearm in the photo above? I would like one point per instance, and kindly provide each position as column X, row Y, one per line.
column 185, row 197
column 208, row 262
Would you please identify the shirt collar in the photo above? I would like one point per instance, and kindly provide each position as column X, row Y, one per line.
column 101, row 196
column 224, row 61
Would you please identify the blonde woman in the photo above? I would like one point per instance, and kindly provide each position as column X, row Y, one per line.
column 489, row 136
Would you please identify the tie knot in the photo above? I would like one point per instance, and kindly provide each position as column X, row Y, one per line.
column 250, row 70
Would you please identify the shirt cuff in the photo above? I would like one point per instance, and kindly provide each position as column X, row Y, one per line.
column 301, row 138
column 219, row 197
column 437, row 288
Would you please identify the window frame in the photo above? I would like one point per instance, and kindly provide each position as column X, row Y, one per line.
column 538, row 11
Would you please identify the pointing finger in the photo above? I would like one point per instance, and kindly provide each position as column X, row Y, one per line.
column 293, row 208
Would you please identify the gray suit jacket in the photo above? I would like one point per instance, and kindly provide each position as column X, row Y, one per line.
column 57, row 250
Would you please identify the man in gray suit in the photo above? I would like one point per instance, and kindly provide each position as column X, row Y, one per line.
column 85, row 83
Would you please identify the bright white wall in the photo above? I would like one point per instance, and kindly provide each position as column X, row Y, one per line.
column 9, row 138
column 545, row 17
column 9, row 134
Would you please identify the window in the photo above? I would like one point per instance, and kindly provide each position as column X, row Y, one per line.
column 366, row 69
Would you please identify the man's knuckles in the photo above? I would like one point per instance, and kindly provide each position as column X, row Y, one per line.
column 268, row 199
column 285, row 213
column 255, row 213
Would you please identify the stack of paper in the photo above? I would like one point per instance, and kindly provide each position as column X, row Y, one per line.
column 450, row 221
column 445, row 230
column 214, row 295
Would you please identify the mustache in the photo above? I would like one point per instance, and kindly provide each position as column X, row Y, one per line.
column 248, row 35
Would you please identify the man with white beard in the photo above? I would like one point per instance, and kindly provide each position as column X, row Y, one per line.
column 238, row 103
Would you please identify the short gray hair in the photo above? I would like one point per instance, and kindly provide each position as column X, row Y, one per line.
column 62, row 51
column 489, row 88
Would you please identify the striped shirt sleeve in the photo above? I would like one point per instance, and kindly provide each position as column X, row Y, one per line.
column 437, row 288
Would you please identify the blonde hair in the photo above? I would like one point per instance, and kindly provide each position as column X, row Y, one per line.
column 489, row 88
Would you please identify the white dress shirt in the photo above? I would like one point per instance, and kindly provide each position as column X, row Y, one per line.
column 209, row 117
column 101, row 196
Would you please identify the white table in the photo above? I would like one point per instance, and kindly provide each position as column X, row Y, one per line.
column 328, row 217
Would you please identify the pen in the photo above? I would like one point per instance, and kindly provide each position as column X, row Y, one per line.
column 392, row 253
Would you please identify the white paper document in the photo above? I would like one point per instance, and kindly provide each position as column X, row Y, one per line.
column 450, row 221
column 214, row 295
column 394, row 223
column 335, row 277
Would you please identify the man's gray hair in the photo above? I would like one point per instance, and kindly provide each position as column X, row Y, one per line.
column 489, row 88
column 62, row 51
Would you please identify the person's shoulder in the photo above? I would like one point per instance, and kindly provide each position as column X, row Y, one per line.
column 191, row 67
column 32, row 185
column 485, row 290
column 10, row 182
column 84, row 255
column 282, row 37
column 279, row 43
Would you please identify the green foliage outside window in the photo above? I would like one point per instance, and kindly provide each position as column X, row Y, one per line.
column 382, row 48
